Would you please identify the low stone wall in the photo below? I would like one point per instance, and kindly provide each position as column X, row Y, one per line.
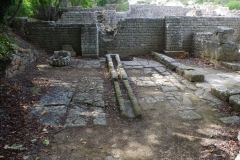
column 20, row 60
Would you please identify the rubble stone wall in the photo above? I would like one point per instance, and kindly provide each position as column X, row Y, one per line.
column 20, row 60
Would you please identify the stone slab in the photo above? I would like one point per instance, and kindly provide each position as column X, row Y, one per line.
column 89, row 98
column 78, row 115
column 189, row 115
column 99, row 116
column 234, row 101
column 193, row 76
column 50, row 115
column 55, row 97
column 221, row 92
column 230, row 120
column 129, row 109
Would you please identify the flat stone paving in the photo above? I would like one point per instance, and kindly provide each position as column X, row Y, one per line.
column 80, row 102
column 166, row 84
column 76, row 103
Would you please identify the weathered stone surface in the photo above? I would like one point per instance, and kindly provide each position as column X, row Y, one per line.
column 70, row 49
column 189, row 115
column 129, row 109
column 78, row 115
column 99, row 116
column 60, row 58
column 88, row 98
column 228, row 52
column 193, row 76
column 56, row 97
column 84, row 64
column 230, row 120
column 232, row 65
column 224, row 34
column 50, row 115
column 181, row 68
column 234, row 101
column 221, row 92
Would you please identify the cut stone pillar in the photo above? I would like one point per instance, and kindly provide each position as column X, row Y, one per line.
column 173, row 34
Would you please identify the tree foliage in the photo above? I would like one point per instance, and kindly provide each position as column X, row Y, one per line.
column 234, row 5
column 4, row 8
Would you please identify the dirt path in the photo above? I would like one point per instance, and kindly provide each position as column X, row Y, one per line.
column 177, row 123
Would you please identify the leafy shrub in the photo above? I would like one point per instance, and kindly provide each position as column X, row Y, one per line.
column 234, row 5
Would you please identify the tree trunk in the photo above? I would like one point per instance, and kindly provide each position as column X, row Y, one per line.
column 56, row 9
column 50, row 10
column 15, row 14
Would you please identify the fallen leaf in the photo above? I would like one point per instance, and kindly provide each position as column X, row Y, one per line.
column 209, row 151
column 84, row 143
column 46, row 150
column 1, row 157
column 43, row 112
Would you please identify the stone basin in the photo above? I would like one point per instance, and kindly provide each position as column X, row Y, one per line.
column 60, row 58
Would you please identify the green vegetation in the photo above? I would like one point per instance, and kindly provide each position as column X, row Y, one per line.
column 234, row 5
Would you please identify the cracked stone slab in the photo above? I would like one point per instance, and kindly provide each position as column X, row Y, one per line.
column 99, row 116
column 189, row 115
column 78, row 115
column 50, row 115
column 89, row 98
column 55, row 97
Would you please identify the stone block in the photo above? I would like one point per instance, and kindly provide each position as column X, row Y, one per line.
column 70, row 49
column 224, row 34
column 193, row 76
column 234, row 101
column 228, row 52
column 181, row 68
column 221, row 92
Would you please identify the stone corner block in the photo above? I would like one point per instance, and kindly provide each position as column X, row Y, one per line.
column 193, row 76
column 221, row 92
column 234, row 101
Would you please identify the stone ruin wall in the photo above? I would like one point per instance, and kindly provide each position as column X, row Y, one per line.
column 151, row 11
column 84, row 30
column 136, row 36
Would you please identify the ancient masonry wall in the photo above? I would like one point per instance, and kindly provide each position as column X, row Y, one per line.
column 151, row 11
column 52, row 36
column 136, row 36
column 191, row 25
